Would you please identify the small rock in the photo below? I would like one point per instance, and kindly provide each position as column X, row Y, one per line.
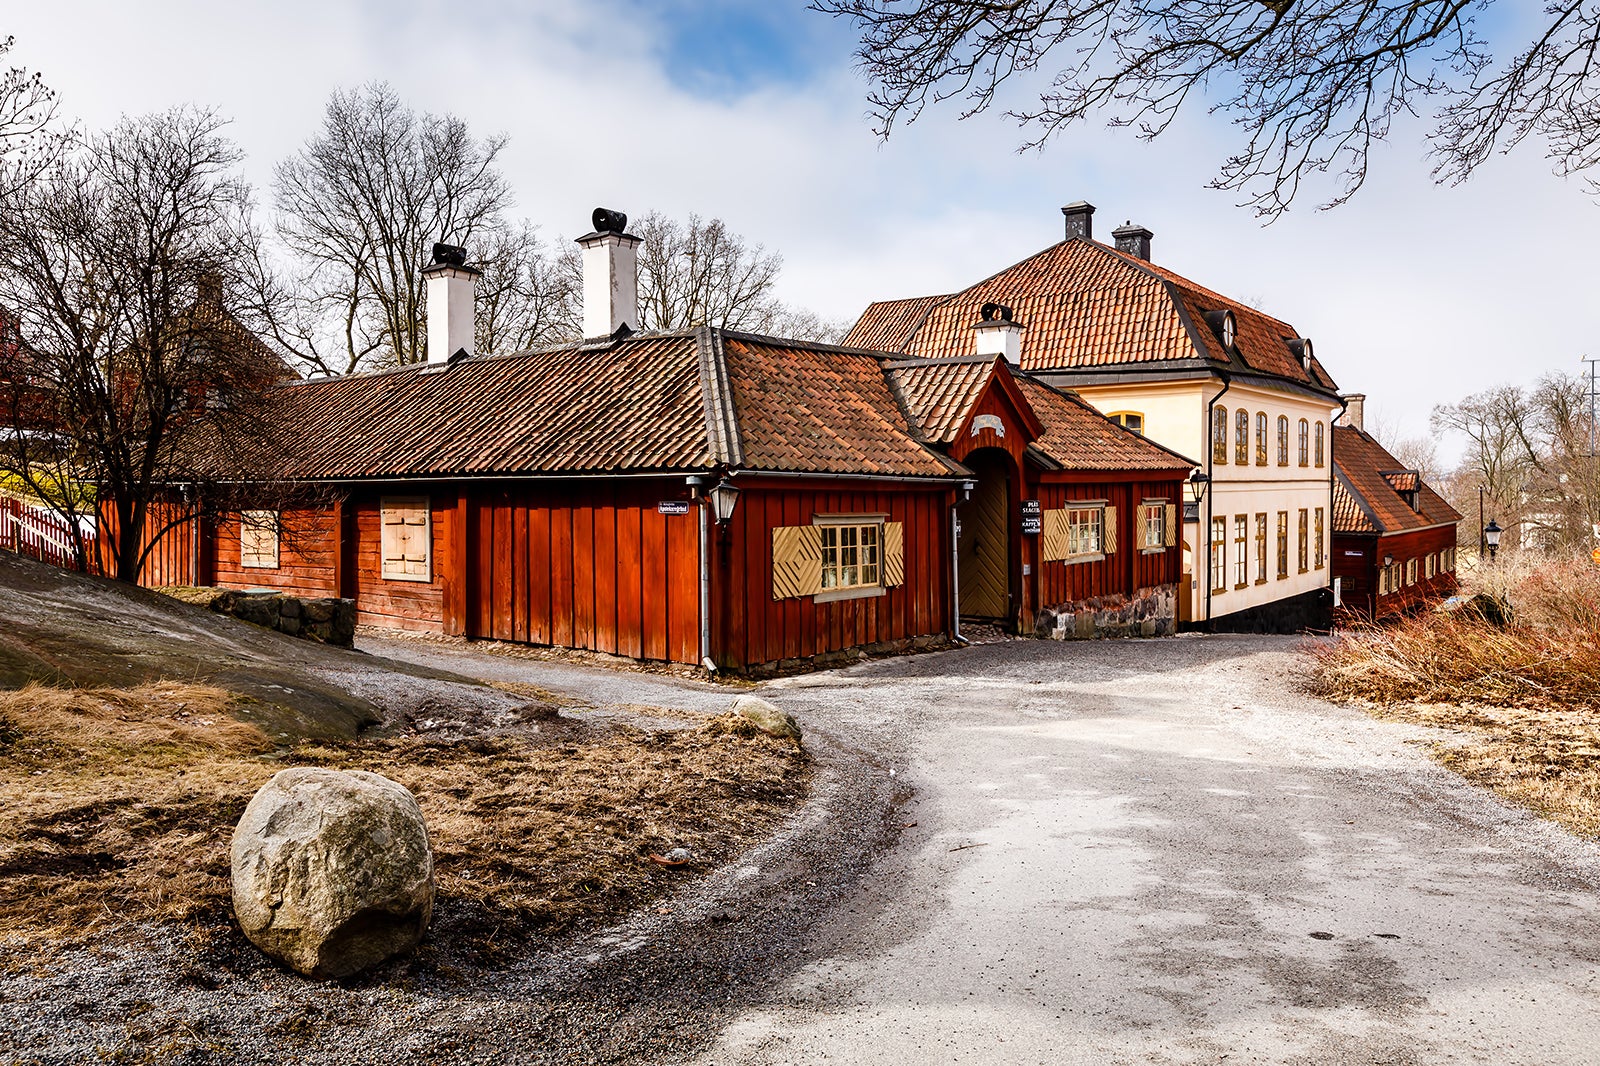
column 332, row 871
column 767, row 718
column 678, row 855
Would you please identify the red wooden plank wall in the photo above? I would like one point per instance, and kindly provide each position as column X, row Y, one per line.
column 1127, row 569
column 413, row 605
column 170, row 562
column 589, row 565
column 751, row 628
column 306, row 556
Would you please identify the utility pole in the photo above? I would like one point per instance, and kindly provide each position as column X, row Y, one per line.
column 1594, row 473
column 1593, row 393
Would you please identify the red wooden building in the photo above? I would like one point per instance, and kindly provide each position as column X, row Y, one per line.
column 1394, row 538
column 706, row 496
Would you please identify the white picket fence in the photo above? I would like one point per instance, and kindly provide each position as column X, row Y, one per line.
column 41, row 535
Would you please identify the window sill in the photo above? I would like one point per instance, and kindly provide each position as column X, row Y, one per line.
column 836, row 595
column 1241, row 585
column 415, row 578
column 1071, row 559
column 1261, row 581
column 1303, row 570
column 1151, row 551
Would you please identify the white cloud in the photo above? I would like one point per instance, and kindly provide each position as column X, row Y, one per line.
column 1414, row 294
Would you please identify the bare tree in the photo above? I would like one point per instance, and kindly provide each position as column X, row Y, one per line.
column 1311, row 85
column 361, row 205
column 526, row 296
column 27, row 110
column 1414, row 453
column 698, row 272
column 132, row 393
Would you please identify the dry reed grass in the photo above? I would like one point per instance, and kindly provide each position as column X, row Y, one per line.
column 120, row 807
column 1523, row 699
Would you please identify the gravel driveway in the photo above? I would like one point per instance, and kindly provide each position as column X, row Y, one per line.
column 1108, row 852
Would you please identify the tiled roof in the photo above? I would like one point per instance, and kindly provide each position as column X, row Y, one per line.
column 1085, row 305
column 1402, row 480
column 938, row 393
column 670, row 401
column 820, row 409
column 1080, row 438
column 887, row 325
column 1375, row 505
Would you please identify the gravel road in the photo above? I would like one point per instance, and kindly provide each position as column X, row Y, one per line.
column 1108, row 852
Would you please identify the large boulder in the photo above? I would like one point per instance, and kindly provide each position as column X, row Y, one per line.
column 332, row 871
column 767, row 718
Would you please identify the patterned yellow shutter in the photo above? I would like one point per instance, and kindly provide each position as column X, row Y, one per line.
column 894, row 554
column 1111, row 531
column 1171, row 524
column 1053, row 536
column 796, row 562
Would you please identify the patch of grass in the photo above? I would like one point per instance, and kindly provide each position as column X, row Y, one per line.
column 1523, row 699
column 120, row 806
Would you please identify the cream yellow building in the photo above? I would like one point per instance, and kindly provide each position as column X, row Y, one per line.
column 1238, row 391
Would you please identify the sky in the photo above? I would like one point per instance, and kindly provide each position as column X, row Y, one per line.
column 752, row 111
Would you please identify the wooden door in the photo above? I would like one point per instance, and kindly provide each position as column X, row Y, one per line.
column 984, row 551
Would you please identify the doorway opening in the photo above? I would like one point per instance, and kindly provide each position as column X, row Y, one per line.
column 983, row 551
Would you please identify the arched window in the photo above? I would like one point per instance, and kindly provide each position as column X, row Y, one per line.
column 1320, row 445
column 1219, row 434
column 1283, row 440
column 1241, row 438
column 1305, row 443
column 1128, row 420
column 1261, row 438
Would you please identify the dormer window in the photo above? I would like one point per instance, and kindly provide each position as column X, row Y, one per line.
column 1225, row 327
column 1301, row 347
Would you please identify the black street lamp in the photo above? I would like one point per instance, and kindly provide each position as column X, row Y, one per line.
column 724, row 498
column 1199, row 481
column 1491, row 536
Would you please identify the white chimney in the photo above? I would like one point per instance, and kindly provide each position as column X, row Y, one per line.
column 610, row 275
column 450, row 303
column 999, row 334
column 1355, row 409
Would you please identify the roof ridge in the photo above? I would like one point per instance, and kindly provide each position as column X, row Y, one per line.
column 722, row 422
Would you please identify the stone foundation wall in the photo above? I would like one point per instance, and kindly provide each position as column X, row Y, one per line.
column 327, row 620
column 1149, row 612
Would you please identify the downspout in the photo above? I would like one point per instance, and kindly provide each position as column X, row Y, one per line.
column 1327, row 526
column 702, row 502
column 1211, row 497
column 955, row 573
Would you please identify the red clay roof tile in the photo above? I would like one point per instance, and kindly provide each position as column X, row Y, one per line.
column 1374, row 503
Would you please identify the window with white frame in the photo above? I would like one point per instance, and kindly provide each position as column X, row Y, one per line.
column 1427, row 566
column 850, row 556
column 406, row 538
column 1085, row 530
column 1153, row 525
column 258, row 540
column 1411, row 571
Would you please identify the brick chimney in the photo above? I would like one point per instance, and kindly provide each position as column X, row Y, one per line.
column 1355, row 409
column 998, row 333
column 1080, row 220
column 1133, row 240
column 450, row 284
column 610, row 276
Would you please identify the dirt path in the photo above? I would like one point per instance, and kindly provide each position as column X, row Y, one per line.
column 1117, row 852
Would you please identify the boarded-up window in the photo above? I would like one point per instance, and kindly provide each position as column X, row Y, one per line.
column 258, row 540
column 407, row 539
column 837, row 555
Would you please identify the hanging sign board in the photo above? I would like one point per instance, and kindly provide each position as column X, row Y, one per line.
column 673, row 507
column 1031, row 522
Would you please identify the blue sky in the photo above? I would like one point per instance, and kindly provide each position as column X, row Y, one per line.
column 753, row 112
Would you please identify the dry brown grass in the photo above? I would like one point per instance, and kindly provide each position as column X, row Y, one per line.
column 120, row 807
column 1524, row 699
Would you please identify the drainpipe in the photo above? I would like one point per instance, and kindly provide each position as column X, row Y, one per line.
column 703, row 504
column 1327, row 523
column 1211, row 497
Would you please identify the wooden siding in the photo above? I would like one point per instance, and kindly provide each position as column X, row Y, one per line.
column 172, row 559
column 380, row 601
column 751, row 628
column 1358, row 586
column 591, row 565
column 306, row 556
column 1123, row 572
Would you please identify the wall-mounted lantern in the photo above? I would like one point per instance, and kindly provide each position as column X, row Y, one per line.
column 724, row 498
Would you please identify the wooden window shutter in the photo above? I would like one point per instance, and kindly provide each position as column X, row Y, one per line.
column 796, row 562
column 1110, row 540
column 1170, row 524
column 1053, row 536
column 405, row 539
column 894, row 554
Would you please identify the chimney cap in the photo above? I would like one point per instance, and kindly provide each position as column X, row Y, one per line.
column 449, row 254
column 992, row 312
column 1078, row 207
column 1079, row 219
